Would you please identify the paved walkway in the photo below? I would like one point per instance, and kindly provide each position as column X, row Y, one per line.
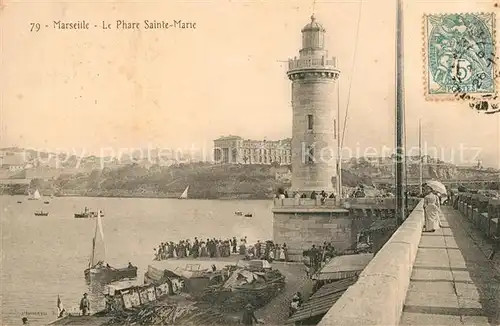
column 276, row 311
column 452, row 282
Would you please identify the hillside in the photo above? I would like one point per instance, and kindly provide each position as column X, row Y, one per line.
column 206, row 181
column 213, row 181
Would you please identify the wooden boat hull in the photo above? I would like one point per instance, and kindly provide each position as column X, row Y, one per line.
column 248, row 215
column 235, row 299
column 41, row 214
column 110, row 275
column 82, row 216
column 86, row 215
column 94, row 320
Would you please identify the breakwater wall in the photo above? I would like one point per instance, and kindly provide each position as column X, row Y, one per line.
column 377, row 298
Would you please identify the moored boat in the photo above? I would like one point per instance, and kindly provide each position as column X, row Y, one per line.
column 100, row 271
column 87, row 214
column 106, row 274
column 41, row 213
column 238, row 213
column 253, row 282
column 248, row 215
column 83, row 215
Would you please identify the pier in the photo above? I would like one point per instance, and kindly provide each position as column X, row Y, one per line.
column 441, row 278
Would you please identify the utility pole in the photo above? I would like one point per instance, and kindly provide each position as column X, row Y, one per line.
column 420, row 177
column 339, row 144
column 400, row 151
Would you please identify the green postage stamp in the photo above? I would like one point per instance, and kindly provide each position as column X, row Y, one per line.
column 459, row 55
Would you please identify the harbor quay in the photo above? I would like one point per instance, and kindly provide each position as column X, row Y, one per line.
column 409, row 280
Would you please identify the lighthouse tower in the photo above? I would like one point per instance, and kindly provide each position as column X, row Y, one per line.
column 314, row 131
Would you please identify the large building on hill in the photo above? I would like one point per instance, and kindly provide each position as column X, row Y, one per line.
column 236, row 150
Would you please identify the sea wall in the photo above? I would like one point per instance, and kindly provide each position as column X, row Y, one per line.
column 378, row 296
column 301, row 230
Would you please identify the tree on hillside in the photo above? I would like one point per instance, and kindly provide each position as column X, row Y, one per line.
column 36, row 184
column 493, row 186
column 94, row 179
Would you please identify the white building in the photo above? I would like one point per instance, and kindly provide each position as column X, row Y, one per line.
column 236, row 150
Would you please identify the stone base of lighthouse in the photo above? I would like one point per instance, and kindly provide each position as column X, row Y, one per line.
column 301, row 223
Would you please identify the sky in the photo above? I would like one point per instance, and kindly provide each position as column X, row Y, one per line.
column 96, row 91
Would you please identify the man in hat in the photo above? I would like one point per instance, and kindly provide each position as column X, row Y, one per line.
column 85, row 305
column 249, row 316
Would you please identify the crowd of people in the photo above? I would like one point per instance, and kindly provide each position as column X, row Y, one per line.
column 197, row 248
column 359, row 191
column 268, row 250
column 214, row 248
column 323, row 195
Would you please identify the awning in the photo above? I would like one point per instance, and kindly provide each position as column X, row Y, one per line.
column 381, row 225
column 254, row 263
column 321, row 301
column 344, row 266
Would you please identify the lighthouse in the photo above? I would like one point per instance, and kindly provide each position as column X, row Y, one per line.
column 314, row 128
column 303, row 222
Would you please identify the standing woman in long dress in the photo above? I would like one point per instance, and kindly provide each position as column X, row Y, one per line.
column 203, row 252
column 282, row 254
column 432, row 210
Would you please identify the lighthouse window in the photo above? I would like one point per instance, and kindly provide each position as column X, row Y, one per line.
column 310, row 155
column 310, row 121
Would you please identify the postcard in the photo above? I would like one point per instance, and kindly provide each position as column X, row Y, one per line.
column 228, row 162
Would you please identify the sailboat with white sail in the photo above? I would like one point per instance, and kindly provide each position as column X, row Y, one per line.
column 97, row 268
column 34, row 195
column 184, row 195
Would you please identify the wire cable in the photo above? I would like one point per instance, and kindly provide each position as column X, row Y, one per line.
column 352, row 73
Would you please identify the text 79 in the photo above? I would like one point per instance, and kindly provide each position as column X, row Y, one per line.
column 35, row 27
